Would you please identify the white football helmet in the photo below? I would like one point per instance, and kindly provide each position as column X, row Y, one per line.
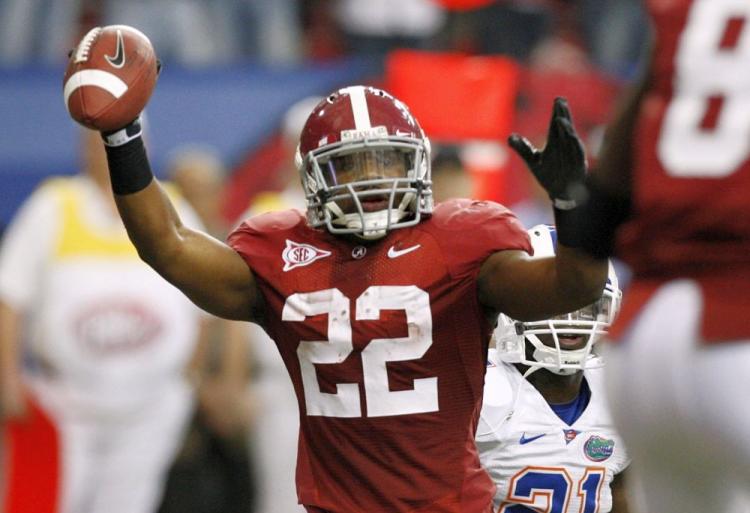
column 364, row 163
column 592, row 321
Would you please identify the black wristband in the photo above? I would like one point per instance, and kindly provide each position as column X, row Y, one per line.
column 599, row 219
column 129, row 169
column 566, row 225
column 592, row 226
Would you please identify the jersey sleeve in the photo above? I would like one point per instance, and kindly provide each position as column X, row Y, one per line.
column 241, row 239
column 498, row 400
column 469, row 231
column 254, row 238
column 26, row 245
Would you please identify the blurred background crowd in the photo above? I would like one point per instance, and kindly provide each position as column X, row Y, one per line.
column 239, row 78
column 475, row 70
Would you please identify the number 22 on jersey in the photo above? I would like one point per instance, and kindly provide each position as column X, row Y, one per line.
column 381, row 401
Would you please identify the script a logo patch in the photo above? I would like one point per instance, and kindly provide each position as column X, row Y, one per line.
column 299, row 255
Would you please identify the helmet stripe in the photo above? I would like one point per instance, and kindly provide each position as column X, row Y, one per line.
column 359, row 107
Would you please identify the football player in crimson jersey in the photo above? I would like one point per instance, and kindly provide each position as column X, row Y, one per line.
column 670, row 197
column 545, row 429
column 381, row 305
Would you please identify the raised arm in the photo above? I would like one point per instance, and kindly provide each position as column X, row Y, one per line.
column 209, row 272
column 529, row 289
column 107, row 96
column 608, row 188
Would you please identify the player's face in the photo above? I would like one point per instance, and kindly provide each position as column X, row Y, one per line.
column 566, row 327
column 372, row 170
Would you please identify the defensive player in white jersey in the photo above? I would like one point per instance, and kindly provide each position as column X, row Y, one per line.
column 545, row 433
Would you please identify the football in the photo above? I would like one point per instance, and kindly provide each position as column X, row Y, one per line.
column 109, row 77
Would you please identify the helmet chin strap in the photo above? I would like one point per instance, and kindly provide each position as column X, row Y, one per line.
column 532, row 369
column 540, row 357
column 375, row 223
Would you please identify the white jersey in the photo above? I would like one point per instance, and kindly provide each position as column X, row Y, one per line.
column 105, row 332
column 535, row 458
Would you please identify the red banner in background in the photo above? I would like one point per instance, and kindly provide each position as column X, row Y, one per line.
column 455, row 97
column 462, row 99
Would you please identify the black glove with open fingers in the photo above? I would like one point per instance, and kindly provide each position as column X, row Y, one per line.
column 561, row 166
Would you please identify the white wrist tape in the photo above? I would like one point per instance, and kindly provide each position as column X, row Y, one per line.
column 124, row 135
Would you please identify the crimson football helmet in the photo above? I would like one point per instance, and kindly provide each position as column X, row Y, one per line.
column 591, row 322
column 364, row 162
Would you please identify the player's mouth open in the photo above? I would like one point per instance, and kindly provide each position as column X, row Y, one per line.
column 572, row 341
column 374, row 203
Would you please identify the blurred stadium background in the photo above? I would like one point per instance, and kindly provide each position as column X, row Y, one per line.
column 476, row 70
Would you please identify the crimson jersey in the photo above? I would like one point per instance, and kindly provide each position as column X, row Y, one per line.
column 691, row 168
column 386, row 345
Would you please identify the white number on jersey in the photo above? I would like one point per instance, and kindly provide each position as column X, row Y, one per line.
column 706, row 129
column 380, row 400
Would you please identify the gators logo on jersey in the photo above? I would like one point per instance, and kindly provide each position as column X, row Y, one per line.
column 597, row 448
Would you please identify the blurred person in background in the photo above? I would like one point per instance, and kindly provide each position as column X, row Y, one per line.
column 545, row 431
column 95, row 349
column 374, row 27
column 33, row 31
column 213, row 471
column 199, row 173
column 270, row 30
column 614, row 35
column 609, row 29
column 284, row 190
column 450, row 179
column 670, row 198
column 210, row 32
column 191, row 32
column 507, row 27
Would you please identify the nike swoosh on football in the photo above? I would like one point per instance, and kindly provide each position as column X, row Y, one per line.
column 395, row 253
column 118, row 60
column 523, row 440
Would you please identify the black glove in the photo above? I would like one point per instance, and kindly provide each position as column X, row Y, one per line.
column 561, row 166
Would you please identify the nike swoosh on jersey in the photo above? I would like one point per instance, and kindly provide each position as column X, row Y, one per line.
column 118, row 60
column 523, row 440
column 395, row 253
